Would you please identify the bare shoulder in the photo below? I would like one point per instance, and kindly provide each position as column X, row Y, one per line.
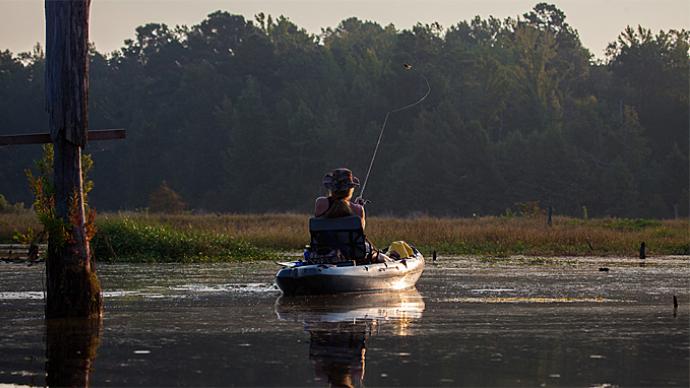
column 357, row 209
column 320, row 206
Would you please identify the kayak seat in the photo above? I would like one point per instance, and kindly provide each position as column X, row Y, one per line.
column 344, row 235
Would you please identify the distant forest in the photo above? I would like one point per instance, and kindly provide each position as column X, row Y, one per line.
column 246, row 116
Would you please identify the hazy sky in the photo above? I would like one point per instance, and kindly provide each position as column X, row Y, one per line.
column 22, row 22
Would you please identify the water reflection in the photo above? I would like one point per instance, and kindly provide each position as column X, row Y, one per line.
column 339, row 327
column 71, row 346
column 483, row 324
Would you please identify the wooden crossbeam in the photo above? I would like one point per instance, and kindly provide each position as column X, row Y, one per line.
column 42, row 138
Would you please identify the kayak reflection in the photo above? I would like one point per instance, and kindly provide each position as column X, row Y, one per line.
column 340, row 326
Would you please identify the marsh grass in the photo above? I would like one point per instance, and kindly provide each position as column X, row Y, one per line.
column 125, row 239
column 185, row 237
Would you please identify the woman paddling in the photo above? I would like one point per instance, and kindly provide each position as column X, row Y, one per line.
column 341, row 186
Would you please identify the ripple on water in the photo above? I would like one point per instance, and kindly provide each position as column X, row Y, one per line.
column 518, row 299
column 229, row 287
column 491, row 290
column 488, row 317
column 242, row 288
column 21, row 295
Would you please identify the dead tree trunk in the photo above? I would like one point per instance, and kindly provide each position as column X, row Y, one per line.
column 73, row 289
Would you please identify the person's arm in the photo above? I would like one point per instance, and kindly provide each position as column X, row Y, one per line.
column 359, row 211
column 320, row 206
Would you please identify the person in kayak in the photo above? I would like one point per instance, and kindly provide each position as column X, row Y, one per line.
column 341, row 186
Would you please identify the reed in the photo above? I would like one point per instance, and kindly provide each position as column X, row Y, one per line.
column 266, row 234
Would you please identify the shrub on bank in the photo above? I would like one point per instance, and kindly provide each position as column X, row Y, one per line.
column 124, row 239
column 6, row 207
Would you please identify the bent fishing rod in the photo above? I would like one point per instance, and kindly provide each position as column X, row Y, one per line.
column 385, row 121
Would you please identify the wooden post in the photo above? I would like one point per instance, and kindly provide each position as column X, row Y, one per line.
column 72, row 287
column 549, row 215
column 675, row 211
column 643, row 248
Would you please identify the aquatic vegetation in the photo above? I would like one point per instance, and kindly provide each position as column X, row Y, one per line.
column 219, row 237
column 631, row 223
column 125, row 239
column 527, row 260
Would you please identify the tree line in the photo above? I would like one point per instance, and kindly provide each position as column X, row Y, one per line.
column 238, row 115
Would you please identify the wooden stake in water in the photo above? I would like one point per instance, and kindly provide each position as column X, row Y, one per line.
column 643, row 248
column 549, row 214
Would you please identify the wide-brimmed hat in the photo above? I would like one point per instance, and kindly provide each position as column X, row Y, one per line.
column 340, row 179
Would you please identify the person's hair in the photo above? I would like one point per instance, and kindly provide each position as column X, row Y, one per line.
column 340, row 207
column 341, row 194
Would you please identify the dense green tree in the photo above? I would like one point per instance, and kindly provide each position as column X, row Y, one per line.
column 247, row 115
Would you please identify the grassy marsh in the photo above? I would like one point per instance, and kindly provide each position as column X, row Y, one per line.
column 221, row 237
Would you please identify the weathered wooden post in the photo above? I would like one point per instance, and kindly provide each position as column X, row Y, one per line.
column 73, row 289
column 549, row 215
column 643, row 250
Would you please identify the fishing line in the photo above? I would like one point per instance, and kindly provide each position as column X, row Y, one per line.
column 385, row 121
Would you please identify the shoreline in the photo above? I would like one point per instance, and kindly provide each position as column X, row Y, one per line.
column 187, row 238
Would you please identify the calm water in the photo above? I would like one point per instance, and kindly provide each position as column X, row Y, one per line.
column 516, row 321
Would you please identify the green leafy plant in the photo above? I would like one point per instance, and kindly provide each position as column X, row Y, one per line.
column 43, row 188
column 127, row 239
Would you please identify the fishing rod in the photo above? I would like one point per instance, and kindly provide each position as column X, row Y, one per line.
column 407, row 66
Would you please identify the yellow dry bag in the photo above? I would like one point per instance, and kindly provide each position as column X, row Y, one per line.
column 401, row 248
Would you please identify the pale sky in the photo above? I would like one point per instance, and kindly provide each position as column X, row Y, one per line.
column 22, row 22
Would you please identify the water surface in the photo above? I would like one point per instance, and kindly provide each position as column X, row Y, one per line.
column 510, row 321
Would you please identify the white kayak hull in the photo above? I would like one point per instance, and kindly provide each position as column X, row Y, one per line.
column 331, row 279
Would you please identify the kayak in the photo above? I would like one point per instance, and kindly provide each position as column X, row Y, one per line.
column 300, row 278
column 339, row 258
